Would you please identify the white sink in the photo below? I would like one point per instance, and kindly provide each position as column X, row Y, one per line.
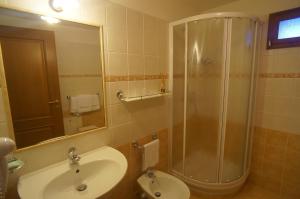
column 98, row 172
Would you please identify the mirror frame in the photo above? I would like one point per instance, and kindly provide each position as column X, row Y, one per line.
column 6, row 99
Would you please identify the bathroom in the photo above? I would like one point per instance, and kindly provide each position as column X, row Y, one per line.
column 116, row 99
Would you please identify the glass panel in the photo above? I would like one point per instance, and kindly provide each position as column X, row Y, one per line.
column 242, row 41
column 289, row 28
column 204, row 92
column 178, row 96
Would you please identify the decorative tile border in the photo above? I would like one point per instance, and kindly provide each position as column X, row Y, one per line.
column 279, row 75
column 118, row 78
column 213, row 75
column 244, row 75
column 79, row 75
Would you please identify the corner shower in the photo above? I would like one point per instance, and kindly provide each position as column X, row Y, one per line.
column 212, row 80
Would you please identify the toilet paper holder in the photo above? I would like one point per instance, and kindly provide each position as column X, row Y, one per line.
column 136, row 145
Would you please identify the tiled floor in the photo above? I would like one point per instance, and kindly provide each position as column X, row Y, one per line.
column 249, row 191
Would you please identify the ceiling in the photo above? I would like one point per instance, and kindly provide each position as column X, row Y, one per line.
column 172, row 10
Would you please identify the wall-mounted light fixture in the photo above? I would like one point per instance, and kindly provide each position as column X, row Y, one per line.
column 61, row 5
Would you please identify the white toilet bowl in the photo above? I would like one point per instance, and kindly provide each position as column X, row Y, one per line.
column 163, row 186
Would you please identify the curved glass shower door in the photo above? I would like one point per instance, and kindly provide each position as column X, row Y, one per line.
column 178, row 96
column 238, row 98
column 205, row 77
column 213, row 77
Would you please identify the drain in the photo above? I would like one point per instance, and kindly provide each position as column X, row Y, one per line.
column 81, row 187
column 157, row 194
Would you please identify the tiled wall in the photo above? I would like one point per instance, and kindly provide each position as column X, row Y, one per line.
column 276, row 162
column 129, row 188
column 276, row 157
column 278, row 102
column 136, row 62
column 277, row 97
column 136, row 51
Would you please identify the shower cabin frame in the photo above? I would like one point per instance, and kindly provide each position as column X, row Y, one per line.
column 218, row 187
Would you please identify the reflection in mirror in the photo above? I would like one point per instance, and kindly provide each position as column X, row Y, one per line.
column 52, row 81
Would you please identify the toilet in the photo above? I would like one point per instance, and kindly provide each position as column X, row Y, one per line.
column 160, row 185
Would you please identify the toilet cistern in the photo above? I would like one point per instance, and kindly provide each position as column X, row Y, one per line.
column 6, row 146
column 73, row 156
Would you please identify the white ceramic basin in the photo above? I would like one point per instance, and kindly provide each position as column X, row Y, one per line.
column 164, row 186
column 98, row 172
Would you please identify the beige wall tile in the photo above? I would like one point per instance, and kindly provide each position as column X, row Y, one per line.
column 281, row 87
column 297, row 87
column 119, row 114
column 136, row 65
column 151, row 65
column 282, row 106
column 116, row 16
column 117, row 64
column 150, row 35
column 116, row 39
column 136, row 88
column 113, row 88
column 122, row 134
column 135, row 32
column 152, row 86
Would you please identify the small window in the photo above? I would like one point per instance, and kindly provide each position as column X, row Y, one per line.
column 284, row 29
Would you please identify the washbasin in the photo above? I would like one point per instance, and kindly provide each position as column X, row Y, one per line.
column 98, row 172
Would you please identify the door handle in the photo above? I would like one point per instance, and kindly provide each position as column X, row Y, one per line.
column 53, row 102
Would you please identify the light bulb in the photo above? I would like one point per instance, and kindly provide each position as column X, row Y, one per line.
column 50, row 20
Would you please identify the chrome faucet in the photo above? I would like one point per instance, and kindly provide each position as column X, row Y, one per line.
column 150, row 174
column 73, row 156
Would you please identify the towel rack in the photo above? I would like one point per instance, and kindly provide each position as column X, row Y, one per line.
column 120, row 96
column 69, row 97
column 136, row 144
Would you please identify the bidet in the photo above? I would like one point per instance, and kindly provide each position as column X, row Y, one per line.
column 6, row 146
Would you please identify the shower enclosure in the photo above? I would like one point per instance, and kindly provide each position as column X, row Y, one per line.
column 212, row 80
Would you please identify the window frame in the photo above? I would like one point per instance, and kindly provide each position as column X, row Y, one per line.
column 274, row 19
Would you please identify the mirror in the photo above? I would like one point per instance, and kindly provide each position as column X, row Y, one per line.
column 52, row 78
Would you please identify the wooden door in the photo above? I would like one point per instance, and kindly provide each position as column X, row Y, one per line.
column 30, row 65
